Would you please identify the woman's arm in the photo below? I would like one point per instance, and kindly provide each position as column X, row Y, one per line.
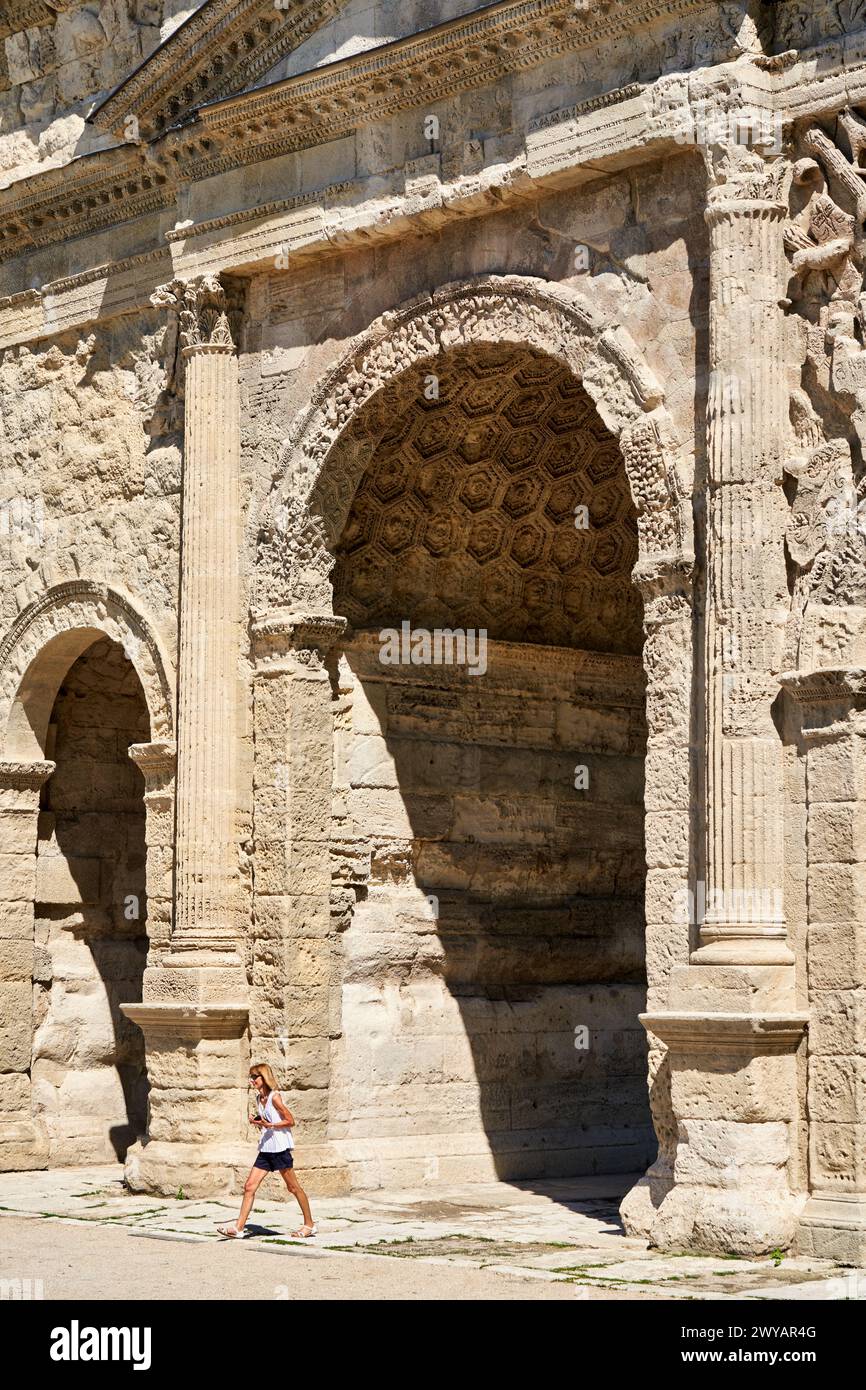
column 288, row 1118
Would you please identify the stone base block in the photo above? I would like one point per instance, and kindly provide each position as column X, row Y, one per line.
column 834, row 1228
column 433, row 1160
column 640, row 1204
column 219, row 1170
column 23, row 1144
column 717, row 1220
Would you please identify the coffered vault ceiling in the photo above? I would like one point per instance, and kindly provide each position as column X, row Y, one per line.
column 466, row 514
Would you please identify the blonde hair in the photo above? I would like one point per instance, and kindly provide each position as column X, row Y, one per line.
column 263, row 1070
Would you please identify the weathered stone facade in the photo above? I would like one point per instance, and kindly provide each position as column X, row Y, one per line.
column 329, row 329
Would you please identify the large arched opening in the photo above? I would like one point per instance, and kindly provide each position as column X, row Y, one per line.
column 362, row 517
column 494, row 967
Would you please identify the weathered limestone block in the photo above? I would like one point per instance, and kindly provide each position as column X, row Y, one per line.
column 15, row 1025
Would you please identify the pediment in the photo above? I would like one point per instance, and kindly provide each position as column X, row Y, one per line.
column 226, row 47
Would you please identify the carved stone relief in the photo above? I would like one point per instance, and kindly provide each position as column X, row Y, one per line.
column 826, row 536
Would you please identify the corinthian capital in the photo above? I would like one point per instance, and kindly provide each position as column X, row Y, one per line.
column 738, row 173
column 200, row 306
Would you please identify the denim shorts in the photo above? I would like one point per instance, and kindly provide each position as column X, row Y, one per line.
column 275, row 1162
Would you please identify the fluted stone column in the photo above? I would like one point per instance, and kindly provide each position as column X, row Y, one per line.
column 732, row 1024
column 194, row 1006
column 206, row 859
column 747, row 594
column 23, row 1141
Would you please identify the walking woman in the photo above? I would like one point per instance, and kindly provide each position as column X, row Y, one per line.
column 275, row 1155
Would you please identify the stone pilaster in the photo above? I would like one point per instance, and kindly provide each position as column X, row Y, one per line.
column 157, row 763
column 830, row 710
column 290, row 1014
column 194, row 995
column 747, row 594
column 731, row 1022
column 665, row 584
column 23, row 1142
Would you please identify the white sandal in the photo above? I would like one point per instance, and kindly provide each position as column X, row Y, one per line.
column 305, row 1232
column 233, row 1233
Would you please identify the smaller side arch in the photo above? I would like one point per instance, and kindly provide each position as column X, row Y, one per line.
column 44, row 641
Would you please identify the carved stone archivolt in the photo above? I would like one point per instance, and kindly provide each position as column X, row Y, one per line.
column 323, row 461
column 65, row 620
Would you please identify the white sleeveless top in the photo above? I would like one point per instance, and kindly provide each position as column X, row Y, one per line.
column 273, row 1141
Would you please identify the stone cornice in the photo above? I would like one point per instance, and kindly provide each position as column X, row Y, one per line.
column 721, row 1034
column 100, row 191
column 190, row 1021
column 116, row 185
column 285, row 634
column 224, row 47
column 562, row 146
column 827, row 685
column 828, row 701
column 329, row 102
column 156, row 760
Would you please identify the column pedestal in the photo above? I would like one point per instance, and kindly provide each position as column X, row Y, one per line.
column 23, row 1139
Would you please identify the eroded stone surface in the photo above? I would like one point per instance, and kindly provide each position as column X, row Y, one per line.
column 285, row 364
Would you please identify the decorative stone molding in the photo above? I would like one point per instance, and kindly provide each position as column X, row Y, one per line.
column 158, row 764
column 57, row 628
column 316, row 481
column 721, row 1034
column 464, row 51
column 115, row 185
column 188, row 1022
column 827, row 699
column 156, row 760
column 30, row 14
column 20, row 776
column 225, row 46
column 301, row 638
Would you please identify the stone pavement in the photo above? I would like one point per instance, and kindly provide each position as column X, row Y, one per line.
column 559, row 1230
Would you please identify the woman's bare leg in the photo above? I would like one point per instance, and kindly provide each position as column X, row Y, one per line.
column 299, row 1194
column 251, row 1186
